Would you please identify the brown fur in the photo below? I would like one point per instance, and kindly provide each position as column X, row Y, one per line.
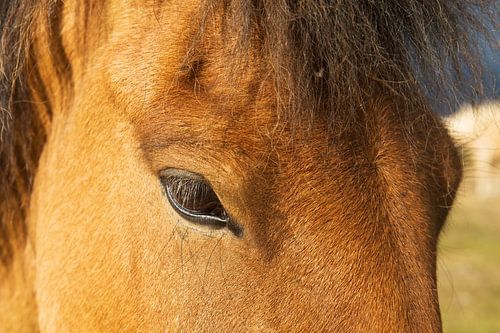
column 342, row 180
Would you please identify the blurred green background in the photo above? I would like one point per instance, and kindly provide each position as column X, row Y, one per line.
column 469, row 265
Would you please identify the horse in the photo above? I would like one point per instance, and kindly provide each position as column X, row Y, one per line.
column 224, row 165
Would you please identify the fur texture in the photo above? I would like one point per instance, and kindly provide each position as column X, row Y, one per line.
column 305, row 117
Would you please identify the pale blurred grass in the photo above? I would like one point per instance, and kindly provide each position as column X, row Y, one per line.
column 469, row 267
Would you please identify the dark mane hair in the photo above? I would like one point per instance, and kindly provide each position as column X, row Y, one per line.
column 329, row 54
column 22, row 133
column 326, row 55
column 19, row 128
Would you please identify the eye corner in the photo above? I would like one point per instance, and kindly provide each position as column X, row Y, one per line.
column 235, row 228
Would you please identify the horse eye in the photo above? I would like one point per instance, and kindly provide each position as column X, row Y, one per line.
column 194, row 199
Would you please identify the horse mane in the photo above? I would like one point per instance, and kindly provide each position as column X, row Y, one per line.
column 13, row 170
column 326, row 56
column 22, row 133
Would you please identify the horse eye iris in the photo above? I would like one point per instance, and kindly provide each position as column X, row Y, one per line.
column 194, row 199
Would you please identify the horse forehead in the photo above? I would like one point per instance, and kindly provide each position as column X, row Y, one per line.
column 175, row 95
column 193, row 104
